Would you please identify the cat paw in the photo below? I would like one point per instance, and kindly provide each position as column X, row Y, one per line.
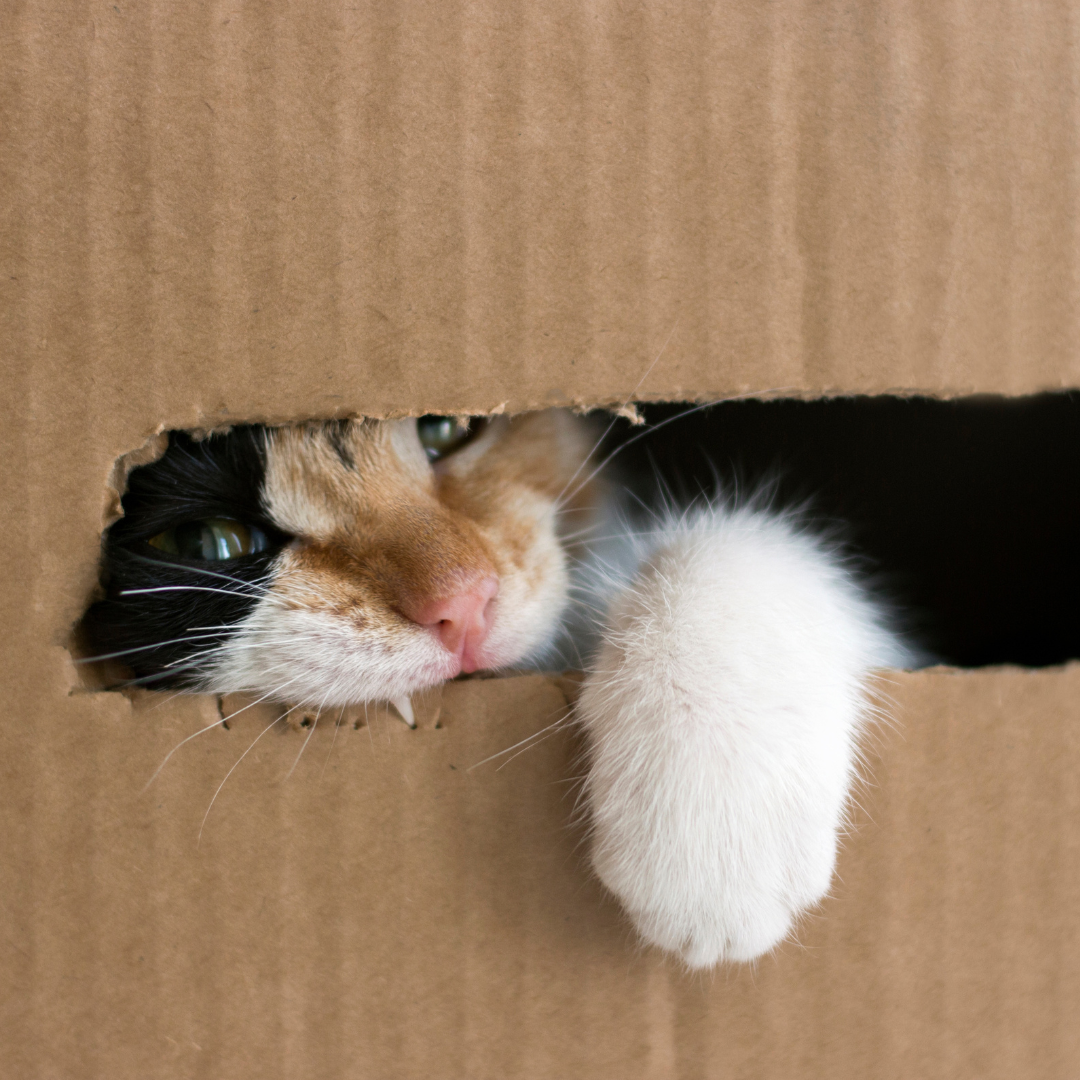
column 722, row 714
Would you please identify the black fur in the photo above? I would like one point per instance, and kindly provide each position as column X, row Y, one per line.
column 221, row 476
column 969, row 509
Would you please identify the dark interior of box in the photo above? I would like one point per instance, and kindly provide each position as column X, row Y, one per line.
column 968, row 511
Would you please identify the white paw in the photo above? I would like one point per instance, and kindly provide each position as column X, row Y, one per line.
column 722, row 713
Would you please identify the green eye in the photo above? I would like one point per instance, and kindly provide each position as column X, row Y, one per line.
column 442, row 435
column 211, row 540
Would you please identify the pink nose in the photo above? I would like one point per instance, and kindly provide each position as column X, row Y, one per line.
column 461, row 621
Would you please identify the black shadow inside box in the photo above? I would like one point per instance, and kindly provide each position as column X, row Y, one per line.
column 967, row 511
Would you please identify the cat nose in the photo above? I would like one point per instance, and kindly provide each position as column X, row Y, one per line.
column 461, row 621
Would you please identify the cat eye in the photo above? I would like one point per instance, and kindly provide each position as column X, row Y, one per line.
column 211, row 540
column 442, row 435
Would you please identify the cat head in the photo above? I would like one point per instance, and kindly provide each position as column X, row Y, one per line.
column 341, row 562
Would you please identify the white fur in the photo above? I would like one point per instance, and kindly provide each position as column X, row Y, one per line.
column 722, row 711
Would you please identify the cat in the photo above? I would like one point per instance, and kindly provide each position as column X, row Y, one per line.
column 727, row 648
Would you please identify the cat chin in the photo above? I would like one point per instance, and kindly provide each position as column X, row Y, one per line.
column 316, row 658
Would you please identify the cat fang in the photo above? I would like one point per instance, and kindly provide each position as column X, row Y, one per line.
column 727, row 649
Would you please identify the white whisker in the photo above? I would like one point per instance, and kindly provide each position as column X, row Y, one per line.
column 615, row 419
column 184, row 588
column 656, row 427
column 144, row 648
column 303, row 747
column 555, row 729
column 332, row 741
column 209, row 727
column 233, row 769
column 201, row 731
column 255, row 584
column 527, row 739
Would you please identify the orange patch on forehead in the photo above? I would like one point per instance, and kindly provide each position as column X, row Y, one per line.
column 361, row 500
column 323, row 479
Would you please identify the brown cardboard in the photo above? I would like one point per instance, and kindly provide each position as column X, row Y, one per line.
column 391, row 910
column 216, row 212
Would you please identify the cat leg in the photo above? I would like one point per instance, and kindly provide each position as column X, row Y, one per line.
column 722, row 714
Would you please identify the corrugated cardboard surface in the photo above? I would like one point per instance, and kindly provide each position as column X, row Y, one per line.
column 385, row 911
column 403, row 205
column 222, row 211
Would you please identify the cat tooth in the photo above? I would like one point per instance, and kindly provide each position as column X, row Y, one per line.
column 404, row 707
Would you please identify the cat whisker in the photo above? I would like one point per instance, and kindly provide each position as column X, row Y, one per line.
column 614, row 420
column 201, row 731
column 194, row 661
column 332, row 741
column 251, row 746
column 209, row 727
column 229, row 645
column 165, row 701
column 191, row 658
column 260, row 583
column 663, row 423
column 650, row 512
column 184, row 588
column 257, row 642
column 543, row 737
column 145, row 680
column 303, row 747
column 143, row 648
column 563, row 497
column 527, row 739
column 569, row 537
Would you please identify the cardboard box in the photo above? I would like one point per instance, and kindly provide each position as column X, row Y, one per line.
column 217, row 212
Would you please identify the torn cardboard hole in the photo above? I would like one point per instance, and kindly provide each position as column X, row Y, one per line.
column 963, row 510
column 424, row 712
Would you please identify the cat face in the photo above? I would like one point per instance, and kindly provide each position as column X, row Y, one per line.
column 336, row 563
